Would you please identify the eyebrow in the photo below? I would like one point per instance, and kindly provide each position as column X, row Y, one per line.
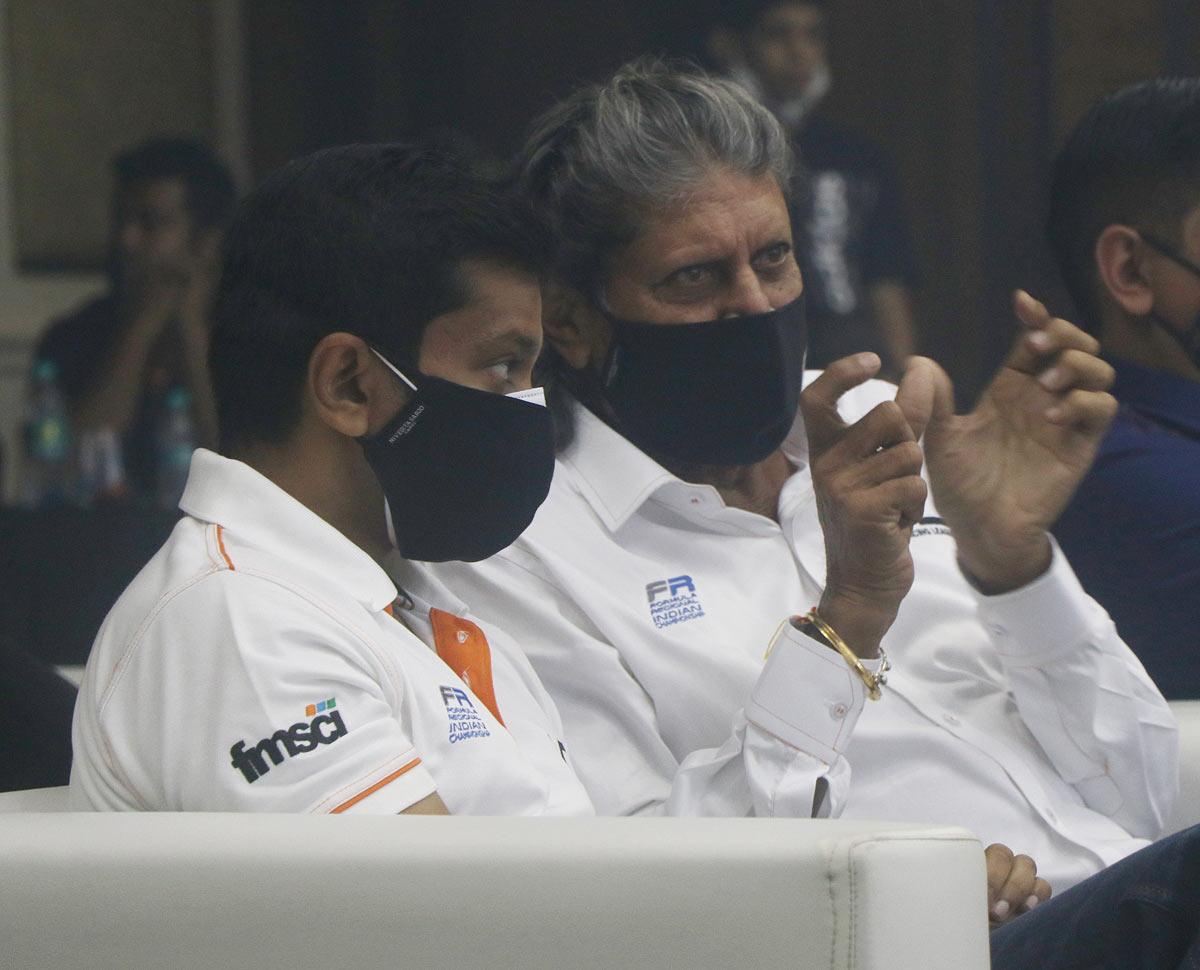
column 511, row 339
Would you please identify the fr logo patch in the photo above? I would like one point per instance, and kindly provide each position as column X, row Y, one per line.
column 465, row 722
column 673, row 601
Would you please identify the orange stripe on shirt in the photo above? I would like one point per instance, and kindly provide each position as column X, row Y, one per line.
column 350, row 803
column 464, row 648
column 221, row 546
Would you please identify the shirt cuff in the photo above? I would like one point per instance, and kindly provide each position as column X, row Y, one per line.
column 808, row 696
column 1045, row 618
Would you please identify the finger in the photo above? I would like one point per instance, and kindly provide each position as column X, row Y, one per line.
column 999, row 860
column 1075, row 368
column 903, row 498
column 1041, row 892
column 1017, row 888
column 901, row 460
column 1034, row 347
column 818, row 401
column 925, row 393
column 1090, row 412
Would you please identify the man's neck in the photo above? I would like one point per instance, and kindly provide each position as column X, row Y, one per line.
column 323, row 487
column 753, row 488
column 1146, row 344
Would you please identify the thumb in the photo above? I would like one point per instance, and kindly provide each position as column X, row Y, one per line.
column 818, row 401
column 925, row 394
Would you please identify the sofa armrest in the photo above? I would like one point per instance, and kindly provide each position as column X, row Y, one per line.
column 205, row 890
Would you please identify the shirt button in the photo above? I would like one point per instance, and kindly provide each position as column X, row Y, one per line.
column 997, row 630
column 838, row 711
column 950, row 719
column 695, row 500
column 1051, row 816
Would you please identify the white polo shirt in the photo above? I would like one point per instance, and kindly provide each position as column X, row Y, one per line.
column 263, row 662
column 645, row 604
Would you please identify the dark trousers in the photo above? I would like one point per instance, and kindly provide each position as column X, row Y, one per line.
column 1141, row 913
column 35, row 750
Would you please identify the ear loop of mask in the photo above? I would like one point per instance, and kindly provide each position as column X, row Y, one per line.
column 1189, row 341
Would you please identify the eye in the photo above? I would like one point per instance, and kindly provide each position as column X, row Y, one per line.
column 689, row 276
column 775, row 255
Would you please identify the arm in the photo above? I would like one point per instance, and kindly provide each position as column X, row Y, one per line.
column 195, row 325
column 112, row 400
column 614, row 739
column 1087, row 699
column 1000, row 477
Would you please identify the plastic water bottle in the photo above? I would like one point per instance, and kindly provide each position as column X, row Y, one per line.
column 46, row 433
column 175, row 444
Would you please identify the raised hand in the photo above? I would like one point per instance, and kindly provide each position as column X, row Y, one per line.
column 1002, row 474
column 869, row 492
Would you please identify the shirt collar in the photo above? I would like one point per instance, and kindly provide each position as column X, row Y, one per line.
column 616, row 477
column 256, row 512
column 1166, row 398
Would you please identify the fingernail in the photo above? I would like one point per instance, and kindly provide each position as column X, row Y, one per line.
column 1039, row 340
column 1000, row 910
column 1032, row 902
column 1051, row 379
column 1054, row 415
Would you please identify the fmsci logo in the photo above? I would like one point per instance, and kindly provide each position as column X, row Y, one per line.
column 673, row 601
column 325, row 727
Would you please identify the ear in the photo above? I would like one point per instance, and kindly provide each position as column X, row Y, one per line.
column 725, row 47
column 1120, row 257
column 574, row 327
column 349, row 389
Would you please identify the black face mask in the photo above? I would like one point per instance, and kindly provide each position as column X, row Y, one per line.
column 1189, row 341
column 723, row 392
column 463, row 470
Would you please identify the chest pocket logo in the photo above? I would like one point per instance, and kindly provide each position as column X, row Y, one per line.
column 673, row 600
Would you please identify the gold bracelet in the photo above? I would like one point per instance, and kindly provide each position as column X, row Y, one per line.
column 830, row 638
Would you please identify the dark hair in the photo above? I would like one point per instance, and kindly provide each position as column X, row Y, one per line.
column 210, row 191
column 364, row 239
column 1134, row 160
column 741, row 15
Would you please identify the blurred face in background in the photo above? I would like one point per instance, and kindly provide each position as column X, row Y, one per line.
column 154, row 239
column 786, row 47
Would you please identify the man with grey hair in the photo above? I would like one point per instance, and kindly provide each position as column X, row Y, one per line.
column 694, row 510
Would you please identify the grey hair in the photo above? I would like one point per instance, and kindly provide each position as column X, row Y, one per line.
column 641, row 140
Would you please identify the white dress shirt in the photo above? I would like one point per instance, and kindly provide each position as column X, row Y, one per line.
column 646, row 605
column 261, row 661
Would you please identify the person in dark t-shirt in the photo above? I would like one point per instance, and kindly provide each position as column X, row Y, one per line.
column 852, row 239
column 120, row 356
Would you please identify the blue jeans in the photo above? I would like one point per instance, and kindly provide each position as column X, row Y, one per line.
column 1143, row 913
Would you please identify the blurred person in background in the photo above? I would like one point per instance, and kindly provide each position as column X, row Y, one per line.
column 1125, row 227
column 852, row 239
column 124, row 358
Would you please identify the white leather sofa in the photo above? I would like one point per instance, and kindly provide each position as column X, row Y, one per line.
column 264, row 891
column 1187, row 807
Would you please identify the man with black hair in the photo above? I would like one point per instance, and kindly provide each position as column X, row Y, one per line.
column 852, row 238
column 118, row 358
column 1125, row 227
column 376, row 325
